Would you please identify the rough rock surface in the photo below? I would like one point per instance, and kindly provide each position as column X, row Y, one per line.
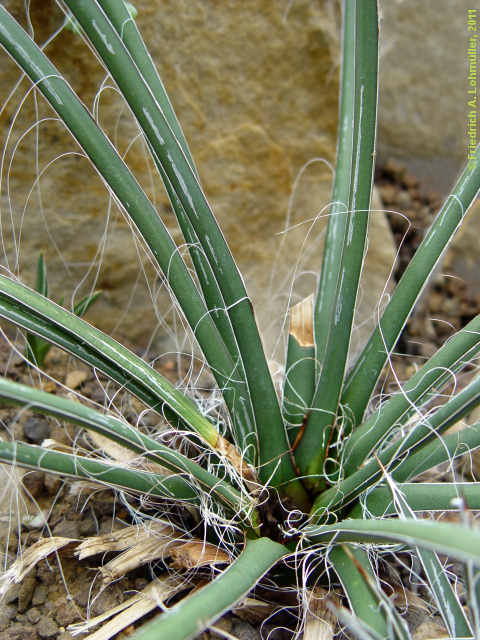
column 423, row 87
column 255, row 85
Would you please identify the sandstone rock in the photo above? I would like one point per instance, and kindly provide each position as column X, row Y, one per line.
column 423, row 87
column 255, row 85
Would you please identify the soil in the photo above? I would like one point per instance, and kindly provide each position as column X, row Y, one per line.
column 62, row 590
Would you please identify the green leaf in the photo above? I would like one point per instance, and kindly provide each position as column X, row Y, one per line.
column 275, row 463
column 111, row 475
column 127, row 436
column 197, row 612
column 359, row 387
column 244, row 423
column 111, row 167
column 354, row 571
column 335, row 324
column 401, row 467
column 37, row 314
column 81, row 307
column 443, row 594
column 422, row 496
column 427, row 381
column 454, row 540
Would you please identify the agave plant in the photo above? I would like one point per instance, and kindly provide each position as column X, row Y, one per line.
column 319, row 472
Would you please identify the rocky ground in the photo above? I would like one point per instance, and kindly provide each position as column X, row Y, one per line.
column 63, row 590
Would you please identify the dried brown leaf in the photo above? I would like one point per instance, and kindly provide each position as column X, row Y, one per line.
column 301, row 322
column 126, row 538
column 320, row 622
column 31, row 557
column 196, row 553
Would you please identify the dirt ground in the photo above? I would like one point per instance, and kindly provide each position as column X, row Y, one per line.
column 62, row 590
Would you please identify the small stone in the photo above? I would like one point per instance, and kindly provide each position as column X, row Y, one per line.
column 109, row 598
column 7, row 613
column 19, row 632
column 404, row 199
column 25, row 593
column 47, row 628
column 409, row 180
column 46, row 574
column 33, row 482
column 88, row 526
column 66, row 613
column 33, row 615
column 65, row 636
column 67, row 529
column 12, row 593
column 75, row 378
column 81, row 594
column 52, row 483
column 244, row 631
column 40, row 595
column 36, row 429
column 394, row 168
column 388, row 193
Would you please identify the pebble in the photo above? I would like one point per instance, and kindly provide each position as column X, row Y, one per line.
column 25, row 592
column 67, row 529
column 33, row 615
column 36, row 429
column 7, row 613
column 52, row 483
column 404, row 199
column 33, row 482
column 47, row 628
column 244, row 631
column 66, row 614
column 88, row 526
column 40, row 595
column 19, row 632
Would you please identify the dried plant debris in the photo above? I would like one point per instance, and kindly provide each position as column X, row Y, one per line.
column 130, row 611
column 30, row 558
column 320, row 622
column 195, row 553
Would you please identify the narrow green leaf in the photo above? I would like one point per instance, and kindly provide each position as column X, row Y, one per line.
column 443, row 594
column 42, row 283
column 33, row 457
column 299, row 383
column 421, row 496
column 128, row 192
column 81, row 307
column 35, row 313
column 37, row 348
column 125, row 435
column 275, row 463
column 446, row 448
column 453, row 540
column 313, row 448
column 127, row 30
column 430, row 379
column 404, row 468
column 353, row 569
column 197, row 612
column 358, row 386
